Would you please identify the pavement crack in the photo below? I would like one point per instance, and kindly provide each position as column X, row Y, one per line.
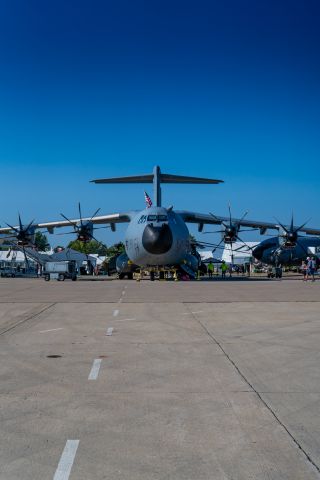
column 259, row 395
column 22, row 321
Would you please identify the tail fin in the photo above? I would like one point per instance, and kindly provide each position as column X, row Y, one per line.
column 157, row 177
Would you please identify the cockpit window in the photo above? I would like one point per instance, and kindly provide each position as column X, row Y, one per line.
column 157, row 218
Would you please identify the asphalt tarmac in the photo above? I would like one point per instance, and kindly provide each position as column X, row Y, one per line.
column 159, row 380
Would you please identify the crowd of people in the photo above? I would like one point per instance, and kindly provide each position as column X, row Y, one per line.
column 308, row 268
column 225, row 269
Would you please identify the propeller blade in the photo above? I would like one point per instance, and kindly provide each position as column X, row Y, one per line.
column 12, row 228
column 25, row 257
column 302, row 246
column 291, row 224
column 216, row 231
column 30, row 225
column 250, row 230
column 229, row 208
column 100, row 243
column 99, row 228
column 20, row 222
column 66, row 218
column 80, row 214
column 216, row 248
column 206, row 245
column 301, row 226
column 282, row 226
column 7, row 238
column 231, row 253
column 95, row 213
column 213, row 216
column 248, row 246
column 243, row 216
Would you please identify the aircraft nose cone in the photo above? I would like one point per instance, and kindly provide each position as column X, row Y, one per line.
column 157, row 240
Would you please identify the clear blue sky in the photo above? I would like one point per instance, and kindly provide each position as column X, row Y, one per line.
column 226, row 89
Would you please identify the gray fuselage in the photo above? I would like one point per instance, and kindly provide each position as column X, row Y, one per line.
column 157, row 236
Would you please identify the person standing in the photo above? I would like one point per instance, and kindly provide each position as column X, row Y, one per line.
column 311, row 268
column 224, row 268
column 304, row 269
column 210, row 269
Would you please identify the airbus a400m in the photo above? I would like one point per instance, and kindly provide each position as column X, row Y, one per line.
column 158, row 237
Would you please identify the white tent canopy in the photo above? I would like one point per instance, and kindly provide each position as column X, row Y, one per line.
column 244, row 255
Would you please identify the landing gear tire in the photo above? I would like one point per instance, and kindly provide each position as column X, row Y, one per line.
column 121, row 276
column 130, row 276
column 74, row 278
column 61, row 277
column 152, row 276
column 47, row 277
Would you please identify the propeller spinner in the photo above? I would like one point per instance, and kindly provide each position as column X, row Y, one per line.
column 290, row 235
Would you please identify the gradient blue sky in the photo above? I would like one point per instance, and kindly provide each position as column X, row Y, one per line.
column 226, row 89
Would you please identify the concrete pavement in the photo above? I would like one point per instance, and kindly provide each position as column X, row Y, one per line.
column 195, row 380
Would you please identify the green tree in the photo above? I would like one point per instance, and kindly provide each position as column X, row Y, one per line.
column 41, row 242
column 115, row 249
column 88, row 247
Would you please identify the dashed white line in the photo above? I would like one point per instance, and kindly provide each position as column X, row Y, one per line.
column 51, row 330
column 66, row 461
column 120, row 301
column 109, row 331
column 93, row 375
column 116, row 313
column 123, row 292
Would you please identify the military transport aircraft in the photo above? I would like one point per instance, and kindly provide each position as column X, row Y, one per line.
column 157, row 237
column 288, row 248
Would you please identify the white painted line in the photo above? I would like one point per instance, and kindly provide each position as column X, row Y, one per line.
column 125, row 319
column 51, row 330
column 120, row 301
column 109, row 331
column 116, row 313
column 123, row 292
column 66, row 461
column 200, row 311
column 95, row 369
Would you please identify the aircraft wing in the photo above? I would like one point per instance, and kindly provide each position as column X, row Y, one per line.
column 102, row 219
column 207, row 219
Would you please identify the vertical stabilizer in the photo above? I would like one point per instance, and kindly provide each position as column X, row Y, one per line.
column 157, row 186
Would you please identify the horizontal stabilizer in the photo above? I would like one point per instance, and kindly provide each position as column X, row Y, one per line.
column 167, row 178
column 134, row 179
column 157, row 177
column 163, row 178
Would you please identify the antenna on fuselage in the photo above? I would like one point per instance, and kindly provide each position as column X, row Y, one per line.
column 157, row 177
